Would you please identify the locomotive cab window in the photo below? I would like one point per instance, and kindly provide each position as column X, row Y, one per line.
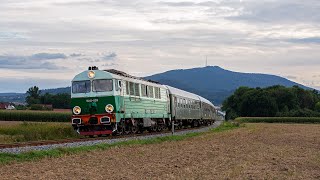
column 102, row 85
column 81, row 87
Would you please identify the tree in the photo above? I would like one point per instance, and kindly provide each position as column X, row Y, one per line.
column 317, row 107
column 273, row 101
column 61, row 101
column 33, row 95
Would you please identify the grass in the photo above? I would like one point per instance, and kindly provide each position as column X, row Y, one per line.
column 35, row 131
column 6, row 158
column 278, row 119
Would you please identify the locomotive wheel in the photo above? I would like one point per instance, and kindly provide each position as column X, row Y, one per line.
column 141, row 129
column 154, row 128
column 120, row 130
column 159, row 128
column 127, row 130
column 134, row 129
column 195, row 123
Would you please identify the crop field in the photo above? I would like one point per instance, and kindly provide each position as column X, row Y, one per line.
column 255, row 151
column 35, row 116
column 15, row 131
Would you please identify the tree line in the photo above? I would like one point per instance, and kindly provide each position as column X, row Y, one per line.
column 34, row 99
column 274, row 101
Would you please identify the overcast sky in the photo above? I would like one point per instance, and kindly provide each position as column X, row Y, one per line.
column 46, row 43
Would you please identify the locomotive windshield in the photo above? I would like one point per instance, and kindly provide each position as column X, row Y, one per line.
column 81, row 87
column 102, row 85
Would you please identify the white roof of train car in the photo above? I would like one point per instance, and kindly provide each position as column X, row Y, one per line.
column 182, row 93
column 206, row 101
column 186, row 94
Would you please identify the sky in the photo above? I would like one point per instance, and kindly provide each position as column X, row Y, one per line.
column 47, row 42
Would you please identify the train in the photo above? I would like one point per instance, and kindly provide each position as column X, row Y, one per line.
column 113, row 102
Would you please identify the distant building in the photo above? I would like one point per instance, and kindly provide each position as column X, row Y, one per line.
column 4, row 105
column 10, row 107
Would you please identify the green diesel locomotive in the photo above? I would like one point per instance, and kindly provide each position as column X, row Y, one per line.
column 113, row 102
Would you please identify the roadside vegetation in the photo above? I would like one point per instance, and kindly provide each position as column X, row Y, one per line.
column 274, row 101
column 24, row 132
column 36, row 155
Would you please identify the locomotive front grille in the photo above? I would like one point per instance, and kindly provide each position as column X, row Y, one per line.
column 93, row 120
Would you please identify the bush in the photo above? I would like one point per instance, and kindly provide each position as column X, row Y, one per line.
column 35, row 116
column 278, row 119
column 39, row 107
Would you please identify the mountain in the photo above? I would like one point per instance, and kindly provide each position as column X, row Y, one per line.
column 12, row 97
column 20, row 97
column 56, row 90
column 215, row 83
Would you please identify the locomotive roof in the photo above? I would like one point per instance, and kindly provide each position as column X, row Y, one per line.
column 121, row 73
column 112, row 73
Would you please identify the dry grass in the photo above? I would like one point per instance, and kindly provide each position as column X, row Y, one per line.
column 257, row 151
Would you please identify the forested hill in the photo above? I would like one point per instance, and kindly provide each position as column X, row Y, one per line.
column 215, row 83
column 56, row 90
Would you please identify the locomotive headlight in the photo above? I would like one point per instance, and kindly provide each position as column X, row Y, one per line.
column 91, row 74
column 109, row 108
column 76, row 110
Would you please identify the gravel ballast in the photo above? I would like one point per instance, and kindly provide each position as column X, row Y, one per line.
column 105, row 141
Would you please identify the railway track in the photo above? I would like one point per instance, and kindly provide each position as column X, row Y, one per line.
column 84, row 139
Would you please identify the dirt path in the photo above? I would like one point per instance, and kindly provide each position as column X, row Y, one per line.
column 258, row 151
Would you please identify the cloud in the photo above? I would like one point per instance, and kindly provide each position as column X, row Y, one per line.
column 110, row 56
column 262, row 36
column 47, row 56
column 284, row 11
column 179, row 4
column 35, row 61
column 313, row 40
column 75, row 55
column 11, row 36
